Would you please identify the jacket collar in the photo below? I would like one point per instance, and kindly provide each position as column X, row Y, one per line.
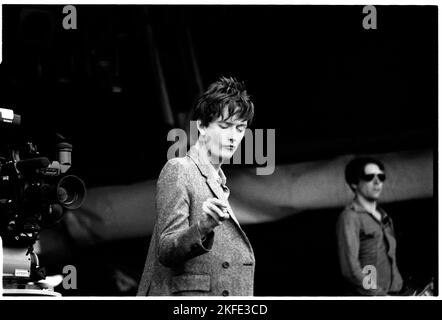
column 215, row 181
column 357, row 207
column 201, row 160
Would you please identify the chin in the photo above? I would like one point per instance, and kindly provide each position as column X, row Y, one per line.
column 227, row 154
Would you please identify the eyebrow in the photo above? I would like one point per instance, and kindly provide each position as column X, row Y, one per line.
column 233, row 123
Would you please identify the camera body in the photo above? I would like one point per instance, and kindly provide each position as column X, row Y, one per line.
column 34, row 194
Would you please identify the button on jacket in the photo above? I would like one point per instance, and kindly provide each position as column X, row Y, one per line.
column 178, row 261
column 365, row 241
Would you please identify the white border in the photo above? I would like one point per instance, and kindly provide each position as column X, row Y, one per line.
column 255, row 2
column 249, row 2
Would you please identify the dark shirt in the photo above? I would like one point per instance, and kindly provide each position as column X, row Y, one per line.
column 366, row 242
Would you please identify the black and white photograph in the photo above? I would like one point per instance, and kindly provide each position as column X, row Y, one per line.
column 219, row 150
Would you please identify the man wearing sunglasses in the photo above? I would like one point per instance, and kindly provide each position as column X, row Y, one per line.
column 366, row 240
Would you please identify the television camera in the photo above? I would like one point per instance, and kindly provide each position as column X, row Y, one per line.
column 34, row 194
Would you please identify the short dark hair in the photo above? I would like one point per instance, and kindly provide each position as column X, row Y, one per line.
column 226, row 92
column 355, row 169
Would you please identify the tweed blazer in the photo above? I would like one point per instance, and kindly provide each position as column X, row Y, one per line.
column 179, row 262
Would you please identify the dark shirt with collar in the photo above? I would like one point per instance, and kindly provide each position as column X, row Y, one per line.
column 366, row 242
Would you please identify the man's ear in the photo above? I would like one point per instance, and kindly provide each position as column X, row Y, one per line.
column 201, row 128
column 353, row 186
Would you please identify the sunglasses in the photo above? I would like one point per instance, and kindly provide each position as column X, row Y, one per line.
column 370, row 177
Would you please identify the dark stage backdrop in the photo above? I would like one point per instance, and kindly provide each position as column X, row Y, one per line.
column 118, row 83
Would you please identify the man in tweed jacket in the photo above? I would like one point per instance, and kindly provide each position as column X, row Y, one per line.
column 198, row 247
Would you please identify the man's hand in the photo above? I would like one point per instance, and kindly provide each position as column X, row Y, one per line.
column 214, row 213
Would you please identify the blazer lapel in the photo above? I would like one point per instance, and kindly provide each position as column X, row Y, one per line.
column 211, row 181
column 216, row 188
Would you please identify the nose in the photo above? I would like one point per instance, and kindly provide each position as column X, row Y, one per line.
column 377, row 180
column 233, row 136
